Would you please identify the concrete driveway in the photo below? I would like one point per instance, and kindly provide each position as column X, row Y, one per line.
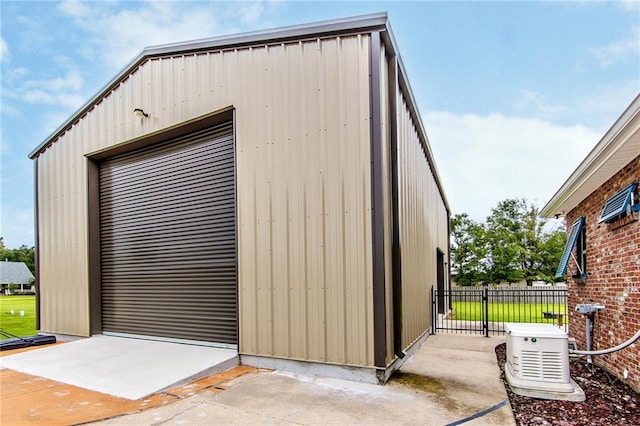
column 451, row 378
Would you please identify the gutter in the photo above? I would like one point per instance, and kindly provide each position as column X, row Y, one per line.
column 604, row 149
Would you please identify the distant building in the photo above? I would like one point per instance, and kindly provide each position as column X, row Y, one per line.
column 15, row 273
column 601, row 205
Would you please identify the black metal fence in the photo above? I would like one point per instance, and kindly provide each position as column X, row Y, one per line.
column 485, row 310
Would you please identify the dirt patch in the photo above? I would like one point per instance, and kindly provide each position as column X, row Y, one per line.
column 36, row 400
column 428, row 385
column 608, row 400
column 425, row 384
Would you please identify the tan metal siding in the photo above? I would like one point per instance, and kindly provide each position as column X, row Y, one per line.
column 423, row 227
column 307, row 219
column 304, row 229
column 64, row 291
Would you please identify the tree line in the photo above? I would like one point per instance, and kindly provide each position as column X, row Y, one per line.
column 515, row 244
column 21, row 254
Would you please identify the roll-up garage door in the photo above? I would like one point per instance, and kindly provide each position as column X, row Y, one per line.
column 168, row 240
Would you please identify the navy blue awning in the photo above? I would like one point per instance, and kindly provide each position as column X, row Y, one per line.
column 617, row 205
column 568, row 248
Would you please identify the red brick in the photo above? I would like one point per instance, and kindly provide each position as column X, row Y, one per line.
column 613, row 264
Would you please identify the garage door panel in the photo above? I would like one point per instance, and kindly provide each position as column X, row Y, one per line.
column 191, row 175
column 216, row 218
column 167, row 155
column 172, row 189
column 122, row 169
column 168, row 240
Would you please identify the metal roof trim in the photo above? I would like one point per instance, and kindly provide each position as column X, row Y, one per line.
column 405, row 86
column 608, row 145
column 363, row 23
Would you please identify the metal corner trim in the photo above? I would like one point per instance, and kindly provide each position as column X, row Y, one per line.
column 377, row 201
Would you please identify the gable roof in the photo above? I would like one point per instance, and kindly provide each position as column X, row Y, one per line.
column 14, row 272
column 337, row 27
column 619, row 146
column 354, row 25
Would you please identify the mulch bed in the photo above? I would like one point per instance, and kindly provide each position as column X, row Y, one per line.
column 608, row 400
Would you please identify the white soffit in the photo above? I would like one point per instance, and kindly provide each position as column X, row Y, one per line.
column 616, row 149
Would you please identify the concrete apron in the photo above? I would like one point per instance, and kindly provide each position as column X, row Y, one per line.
column 448, row 380
column 123, row 367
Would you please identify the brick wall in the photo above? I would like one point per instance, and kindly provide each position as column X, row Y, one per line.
column 613, row 265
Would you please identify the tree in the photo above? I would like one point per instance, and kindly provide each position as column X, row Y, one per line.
column 22, row 254
column 551, row 252
column 469, row 250
column 515, row 244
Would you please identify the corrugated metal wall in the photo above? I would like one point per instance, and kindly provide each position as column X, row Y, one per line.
column 423, row 227
column 305, row 230
column 62, row 218
column 303, row 177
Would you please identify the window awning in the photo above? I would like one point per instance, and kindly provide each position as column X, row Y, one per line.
column 568, row 248
column 617, row 204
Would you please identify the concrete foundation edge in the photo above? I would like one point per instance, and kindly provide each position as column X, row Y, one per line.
column 362, row 374
column 345, row 372
column 408, row 352
column 63, row 337
column 218, row 368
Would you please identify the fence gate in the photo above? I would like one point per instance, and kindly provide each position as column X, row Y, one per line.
column 484, row 310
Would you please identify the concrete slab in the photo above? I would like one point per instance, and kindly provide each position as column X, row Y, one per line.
column 123, row 367
column 448, row 379
column 464, row 369
column 289, row 398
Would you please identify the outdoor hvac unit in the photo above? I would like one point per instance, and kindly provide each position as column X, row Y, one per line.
column 538, row 362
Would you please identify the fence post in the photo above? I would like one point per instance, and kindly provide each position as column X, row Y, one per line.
column 485, row 302
column 433, row 312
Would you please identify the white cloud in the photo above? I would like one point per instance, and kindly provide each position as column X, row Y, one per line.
column 618, row 50
column 38, row 97
column 630, row 5
column 119, row 35
column 599, row 107
column 251, row 13
column 484, row 159
column 602, row 106
column 537, row 104
column 4, row 50
column 75, row 8
column 71, row 81
column 63, row 91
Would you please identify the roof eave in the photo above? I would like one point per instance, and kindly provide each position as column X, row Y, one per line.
column 405, row 86
column 592, row 162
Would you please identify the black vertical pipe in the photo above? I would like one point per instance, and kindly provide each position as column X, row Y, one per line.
column 485, row 299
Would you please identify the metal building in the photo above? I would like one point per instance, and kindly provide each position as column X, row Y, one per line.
column 271, row 191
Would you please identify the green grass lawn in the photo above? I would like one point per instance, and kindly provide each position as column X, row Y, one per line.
column 16, row 324
column 507, row 312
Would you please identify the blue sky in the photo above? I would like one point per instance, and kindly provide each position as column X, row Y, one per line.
column 513, row 95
